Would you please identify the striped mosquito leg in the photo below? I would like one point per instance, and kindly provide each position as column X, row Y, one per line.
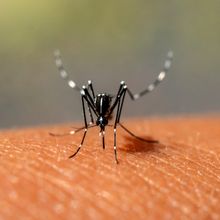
column 115, row 145
column 90, row 115
column 115, row 128
column 102, row 134
column 158, row 80
column 85, row 131
column 72, row 132
column 86, row 125
column 90, row 88
column 63, row 72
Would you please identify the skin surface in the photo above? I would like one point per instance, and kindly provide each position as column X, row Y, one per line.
column 176, row 179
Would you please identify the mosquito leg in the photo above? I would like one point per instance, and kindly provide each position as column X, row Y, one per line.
column 90, row 86
column 68, row 133
column 102, row 133
column 122, row 103
column 118, row 117
column 120, row 90
column 86, row 126
column 90, row 114
column 85, row 131
column 117, row 102
column 72, row 132
column 115, row 144
column 115, row 127
column 63, row 72
column 135, row 136
column 159, row 79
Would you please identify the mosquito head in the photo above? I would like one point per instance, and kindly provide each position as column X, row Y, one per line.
column 101, row 121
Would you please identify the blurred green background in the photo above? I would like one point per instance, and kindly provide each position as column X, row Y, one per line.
column 107, row 41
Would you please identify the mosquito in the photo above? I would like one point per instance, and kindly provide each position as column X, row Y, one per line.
column 102, row 105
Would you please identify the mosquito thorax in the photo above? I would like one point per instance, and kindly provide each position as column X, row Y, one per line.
column 102, row 103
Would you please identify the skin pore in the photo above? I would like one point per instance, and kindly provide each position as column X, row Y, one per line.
column 178, row 178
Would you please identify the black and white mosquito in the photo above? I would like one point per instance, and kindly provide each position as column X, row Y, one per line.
column 102, row 105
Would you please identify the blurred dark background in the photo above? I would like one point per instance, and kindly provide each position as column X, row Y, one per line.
column 107, row 41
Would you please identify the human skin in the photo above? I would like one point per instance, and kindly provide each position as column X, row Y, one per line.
column 179, row 178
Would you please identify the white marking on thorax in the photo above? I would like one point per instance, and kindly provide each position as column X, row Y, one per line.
column 101, row 102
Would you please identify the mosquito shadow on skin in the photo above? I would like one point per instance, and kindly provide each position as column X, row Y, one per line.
column 132, row 144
